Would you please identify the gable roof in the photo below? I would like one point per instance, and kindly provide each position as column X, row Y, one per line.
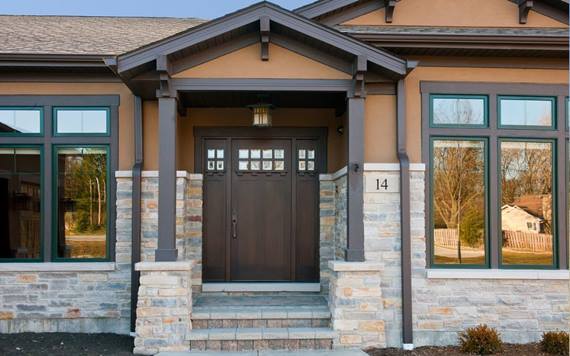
column 251, row 16
column 82, row 35
column 323, row 7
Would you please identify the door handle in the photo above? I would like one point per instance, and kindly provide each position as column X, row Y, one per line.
column 234, row 226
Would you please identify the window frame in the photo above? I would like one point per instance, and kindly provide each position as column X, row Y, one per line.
column 22, row 108
column 55, row 204
column 555, row 235
column 431, row 212
column 57, row 109
column 485, row 99
column 48, row 140
column 553, row 126
column 42, row 205
column 559, row 135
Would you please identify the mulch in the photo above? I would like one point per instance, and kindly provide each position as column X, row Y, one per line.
column 65, row 344
column 508, row 350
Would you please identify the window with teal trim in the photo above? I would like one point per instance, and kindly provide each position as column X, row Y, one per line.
column 20, row 121
column 526, row 112
column 20, row 203
column 81, row 121
column 82, row 202
column 459, row 110
column 493, row 200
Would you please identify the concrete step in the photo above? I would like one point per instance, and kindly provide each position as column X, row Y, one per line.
column 268, row 353
column 250, row 339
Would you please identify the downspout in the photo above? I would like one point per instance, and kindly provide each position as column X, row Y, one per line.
column 405, row 218
column 136, row 209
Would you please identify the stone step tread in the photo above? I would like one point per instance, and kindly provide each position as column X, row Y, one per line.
column 288, row 312
column 268, row 353
column 224, row 334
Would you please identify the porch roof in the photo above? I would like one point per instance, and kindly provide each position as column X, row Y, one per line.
column 247, row 20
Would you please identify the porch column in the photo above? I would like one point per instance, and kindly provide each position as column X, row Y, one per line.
column 166, row 250
column 355, row 205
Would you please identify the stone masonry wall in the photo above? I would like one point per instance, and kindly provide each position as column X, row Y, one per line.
column 520, row 309
column 188, row 219
column 332, row 207
column 72, row 297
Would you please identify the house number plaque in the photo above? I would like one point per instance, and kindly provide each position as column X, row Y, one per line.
column 381, row 183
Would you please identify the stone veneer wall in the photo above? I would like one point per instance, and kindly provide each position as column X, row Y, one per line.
column 188, row 219
column 521, row 309
column 332, row 207
column 72, row 297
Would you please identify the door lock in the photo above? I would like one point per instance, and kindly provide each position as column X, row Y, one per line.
column 234, row 226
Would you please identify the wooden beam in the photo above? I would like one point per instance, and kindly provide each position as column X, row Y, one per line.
column 390, row 6
column 524, row 8
column 264, row 30
column 360, row 68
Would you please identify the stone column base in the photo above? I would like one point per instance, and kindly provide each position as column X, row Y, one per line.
column 355, row 301
column 164, row 307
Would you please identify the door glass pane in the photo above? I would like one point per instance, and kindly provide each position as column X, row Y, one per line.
column 458, row 111
column 526, row 203
column 20, row 203
column 526, row 112
column 71, row 121
column 459, row 223
column 82, row 193
column 25, row 121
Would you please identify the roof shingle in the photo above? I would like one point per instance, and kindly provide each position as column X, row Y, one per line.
column 82, row 35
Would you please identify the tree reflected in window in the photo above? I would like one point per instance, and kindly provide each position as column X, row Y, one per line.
column 458, row 229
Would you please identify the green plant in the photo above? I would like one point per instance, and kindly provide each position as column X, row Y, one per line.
column 555, row 342
column 481, row 340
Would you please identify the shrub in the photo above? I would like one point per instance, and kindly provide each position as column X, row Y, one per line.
column 555, row 343
column 480, row 340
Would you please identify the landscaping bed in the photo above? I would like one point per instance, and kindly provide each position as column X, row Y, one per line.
column 64, row 344
column 508, row 350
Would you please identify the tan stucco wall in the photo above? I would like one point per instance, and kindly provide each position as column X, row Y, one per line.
column 237, row 117
column 445, row 74
column 247, row 63
column 458, row 13
column 380, row 129
column 126, row 115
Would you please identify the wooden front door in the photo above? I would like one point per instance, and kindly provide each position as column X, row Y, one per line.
column 261, row 191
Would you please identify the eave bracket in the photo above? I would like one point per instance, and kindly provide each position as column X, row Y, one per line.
column 390, row 6
column 524, row 8
column 264, row 31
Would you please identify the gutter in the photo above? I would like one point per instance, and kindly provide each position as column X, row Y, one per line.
column 136, row 209
column 405, row 215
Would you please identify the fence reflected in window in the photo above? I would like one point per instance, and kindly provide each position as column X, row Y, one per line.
column 526, row 203
column 459, row 223
column 82, row 202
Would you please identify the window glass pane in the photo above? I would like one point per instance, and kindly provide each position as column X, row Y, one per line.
column 24, row 121
column 20, row 203
column 458, row 202
column 526, row 112
column 82, row 202
column 458, row 111
column 526, row 203
column 81, row 121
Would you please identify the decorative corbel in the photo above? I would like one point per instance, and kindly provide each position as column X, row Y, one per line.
column 165, row 89
column 390, row 6
column 524, row 9
column 264, row 31
column 360, row 68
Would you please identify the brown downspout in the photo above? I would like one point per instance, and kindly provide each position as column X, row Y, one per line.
column 407, row 326
column 136, row 208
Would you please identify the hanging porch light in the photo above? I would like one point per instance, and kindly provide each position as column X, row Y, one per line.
column 261, row 114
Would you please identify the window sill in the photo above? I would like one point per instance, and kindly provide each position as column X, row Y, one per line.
column 497, row 274
column 58, row 267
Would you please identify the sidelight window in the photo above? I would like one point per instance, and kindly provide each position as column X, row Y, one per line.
column 492, row 186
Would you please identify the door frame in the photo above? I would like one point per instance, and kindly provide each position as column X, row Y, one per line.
column 319, row 134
